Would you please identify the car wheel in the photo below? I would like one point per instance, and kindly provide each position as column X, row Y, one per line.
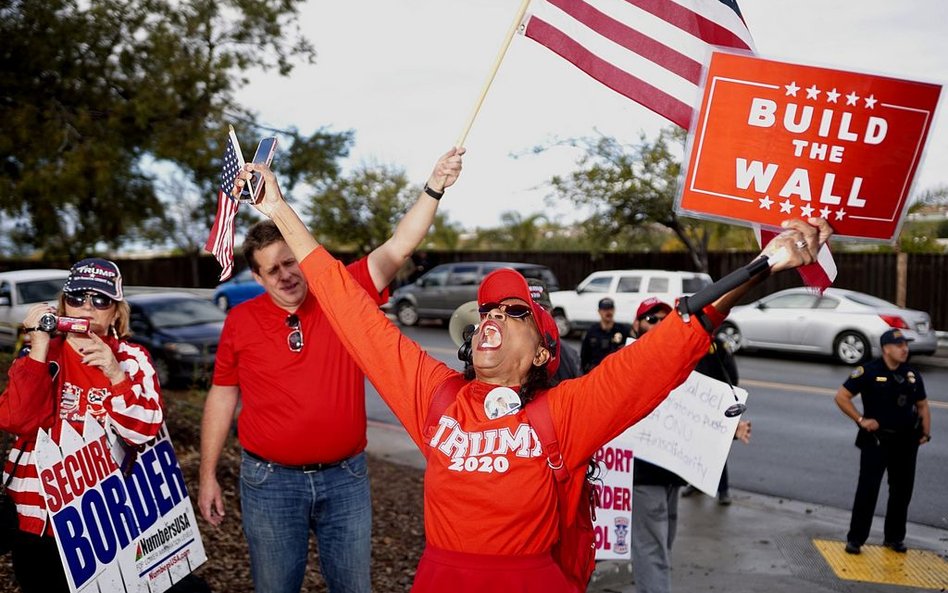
column 562, row 323
column 730, row 336
column 851, row 347
column 222, row 302
column 406, row 313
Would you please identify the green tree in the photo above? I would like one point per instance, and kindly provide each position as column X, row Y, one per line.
column 359, row 211
column 444, row 234
column 94, row 88
column 630, row 187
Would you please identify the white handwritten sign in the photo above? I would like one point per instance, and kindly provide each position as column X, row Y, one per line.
column 688, row 433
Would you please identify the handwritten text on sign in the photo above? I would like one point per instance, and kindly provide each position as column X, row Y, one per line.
column 776, row 140
column 688, row 434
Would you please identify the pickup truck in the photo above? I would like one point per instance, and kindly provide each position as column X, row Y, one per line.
column 575, row 310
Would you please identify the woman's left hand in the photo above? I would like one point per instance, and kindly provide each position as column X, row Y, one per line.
column 798, row 244
column 95, row 352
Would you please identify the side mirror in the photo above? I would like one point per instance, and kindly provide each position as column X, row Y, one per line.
column 762, row 305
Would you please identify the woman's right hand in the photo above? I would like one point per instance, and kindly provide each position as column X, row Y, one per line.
column 39, row 340
column 31, row 322
column 272, row 196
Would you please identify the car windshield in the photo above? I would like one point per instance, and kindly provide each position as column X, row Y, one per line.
column 870, row 301
column 38, row 291
column 182, row 312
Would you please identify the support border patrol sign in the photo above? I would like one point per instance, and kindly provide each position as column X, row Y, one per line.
column 135, row 532
column 775, row 140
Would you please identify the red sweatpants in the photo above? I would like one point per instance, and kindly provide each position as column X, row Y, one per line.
column 442, row 571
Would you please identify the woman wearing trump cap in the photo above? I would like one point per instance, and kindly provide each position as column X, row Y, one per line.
column 490, row 500
column 84, row 368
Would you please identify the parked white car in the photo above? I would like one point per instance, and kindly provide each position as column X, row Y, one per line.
column 19, row 290
column 575, row 310
column 843, row 323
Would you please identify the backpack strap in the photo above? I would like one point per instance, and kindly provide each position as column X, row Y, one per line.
column 446, row 393
column 538, row 412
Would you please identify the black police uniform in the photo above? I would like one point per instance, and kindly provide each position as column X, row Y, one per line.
column 599, row 343
column 888, row 397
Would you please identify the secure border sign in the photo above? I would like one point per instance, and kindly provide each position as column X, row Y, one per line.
column 116, row 532
column 776, row 140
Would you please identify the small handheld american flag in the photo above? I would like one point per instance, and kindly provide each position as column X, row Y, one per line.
column 221, row 241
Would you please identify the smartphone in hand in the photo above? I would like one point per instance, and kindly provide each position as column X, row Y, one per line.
column 264, row 156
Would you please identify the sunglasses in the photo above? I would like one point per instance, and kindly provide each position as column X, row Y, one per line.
column 295, row 339
column 653, row 319
column 99, row 301
column 512, row 310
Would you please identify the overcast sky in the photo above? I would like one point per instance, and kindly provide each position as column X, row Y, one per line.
column 404, row 74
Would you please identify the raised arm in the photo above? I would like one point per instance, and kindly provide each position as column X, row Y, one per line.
column 388, row 258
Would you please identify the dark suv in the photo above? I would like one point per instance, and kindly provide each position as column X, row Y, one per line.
column 446, row 287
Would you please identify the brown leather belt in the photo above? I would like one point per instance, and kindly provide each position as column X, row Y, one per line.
column 308, row 467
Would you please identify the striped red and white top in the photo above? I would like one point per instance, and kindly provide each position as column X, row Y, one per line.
column 40, row 394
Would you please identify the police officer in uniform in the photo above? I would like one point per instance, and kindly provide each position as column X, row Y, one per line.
column 603, row 338
column 894, row 422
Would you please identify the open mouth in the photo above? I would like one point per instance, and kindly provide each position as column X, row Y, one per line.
column 490, row 337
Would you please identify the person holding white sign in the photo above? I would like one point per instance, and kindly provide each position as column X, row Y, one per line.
column 79, row 363
column 655, row 489
column 491, row 503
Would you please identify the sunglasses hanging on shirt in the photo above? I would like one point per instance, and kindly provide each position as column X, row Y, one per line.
column 295, row 339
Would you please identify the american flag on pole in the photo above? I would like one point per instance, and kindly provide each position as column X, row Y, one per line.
column 651, row 51
column 221, row 241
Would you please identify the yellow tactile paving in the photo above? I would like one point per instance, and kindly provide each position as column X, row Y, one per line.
column 876, row 564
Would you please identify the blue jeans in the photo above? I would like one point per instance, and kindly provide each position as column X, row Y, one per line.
column 280, row 506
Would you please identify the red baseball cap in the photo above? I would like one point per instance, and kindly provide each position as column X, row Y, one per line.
column 507, row 283
column 649, row 305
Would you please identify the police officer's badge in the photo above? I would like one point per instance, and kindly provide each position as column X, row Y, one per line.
column 617, row 338
column 910, row 376
column 857, row 372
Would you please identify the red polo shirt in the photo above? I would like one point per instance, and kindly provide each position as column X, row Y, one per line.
column 297, row 407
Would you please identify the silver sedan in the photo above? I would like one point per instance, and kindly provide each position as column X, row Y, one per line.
column 843, row 323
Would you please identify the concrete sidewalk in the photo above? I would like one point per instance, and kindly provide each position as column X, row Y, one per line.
column 759, row 544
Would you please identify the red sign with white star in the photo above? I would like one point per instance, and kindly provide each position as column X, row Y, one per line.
column 776, row 140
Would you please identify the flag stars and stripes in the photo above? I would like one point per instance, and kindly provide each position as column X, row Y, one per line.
column 840, row 214
column 832, row 96
column 650, row 51
column 792, row 89
column 786, row 206
column 825, row 212
column 813, row 92
column 871, row 101
column 806, row 211
column 852, row 98
column 229, row 170
column 765, row 203
column 221, row 239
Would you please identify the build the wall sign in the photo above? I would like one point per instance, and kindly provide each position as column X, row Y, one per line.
column 776, row 140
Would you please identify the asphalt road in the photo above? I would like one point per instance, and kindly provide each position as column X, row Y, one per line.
column 802, row 446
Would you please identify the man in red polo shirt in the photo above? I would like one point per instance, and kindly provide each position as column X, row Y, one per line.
column 302, row 421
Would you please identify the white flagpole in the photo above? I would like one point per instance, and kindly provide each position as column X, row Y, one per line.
column 493, row 72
